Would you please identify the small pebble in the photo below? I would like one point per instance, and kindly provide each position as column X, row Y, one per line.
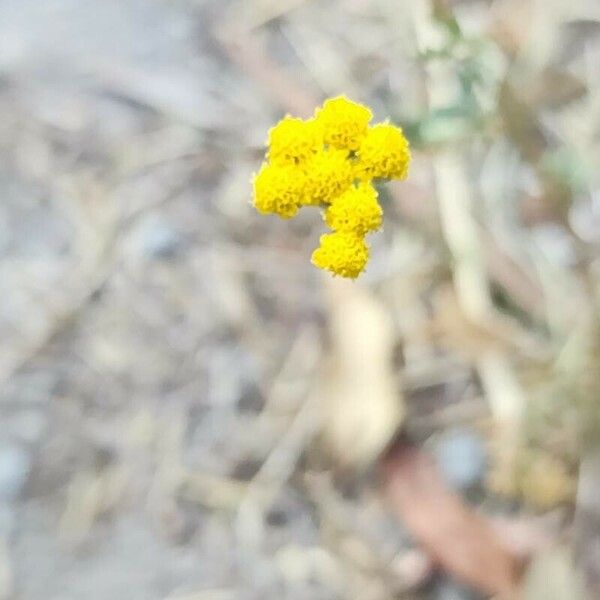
column 447, row 589
column 460, row 455
column 160, row 241
column 15, row 465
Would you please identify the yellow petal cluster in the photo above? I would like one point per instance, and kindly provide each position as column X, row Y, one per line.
column 327, row 174
column 330, row 161
column 277, row 189
column 342, row 253
column 383, row 152
column 344, row 123
column 355, row 211
column 292, row 141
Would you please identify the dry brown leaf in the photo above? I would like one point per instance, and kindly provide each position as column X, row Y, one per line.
column 458, row 539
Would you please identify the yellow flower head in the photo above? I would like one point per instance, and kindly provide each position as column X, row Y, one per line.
column 278, row 189
column 343, row 123
column 342, row 253
column 292, row 141
column 328, row 174
column 329, row 161
column 355, row 211
column 384, row 152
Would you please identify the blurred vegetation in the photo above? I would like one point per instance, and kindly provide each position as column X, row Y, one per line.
column 189, row 411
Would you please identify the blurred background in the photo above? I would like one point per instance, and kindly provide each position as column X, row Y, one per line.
column 190, row 411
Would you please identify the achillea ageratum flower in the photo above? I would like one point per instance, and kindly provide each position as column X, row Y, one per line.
column 330, row 161
column 343, row 253
column 343, row 123
column 328, row 174
column 278, row 190
column 355, row 211
column 292, row 141
column 383, row 152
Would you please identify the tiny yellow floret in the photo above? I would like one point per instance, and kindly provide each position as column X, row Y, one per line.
column 355, row 211
column 292, row 141
column 328, row 174
column 384, row 152
column 343, row 123
column 341, row 253
column 278, row 190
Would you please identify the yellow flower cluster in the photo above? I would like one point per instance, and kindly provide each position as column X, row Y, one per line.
column 330, row 161
column 355, row 211
column 341, row 252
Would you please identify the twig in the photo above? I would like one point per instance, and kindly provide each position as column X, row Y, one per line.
column 274, row 472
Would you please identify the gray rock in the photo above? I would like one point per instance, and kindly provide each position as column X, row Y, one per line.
column 447, row 589
column 160, row 241
column 460, row 455
column 15, row 466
